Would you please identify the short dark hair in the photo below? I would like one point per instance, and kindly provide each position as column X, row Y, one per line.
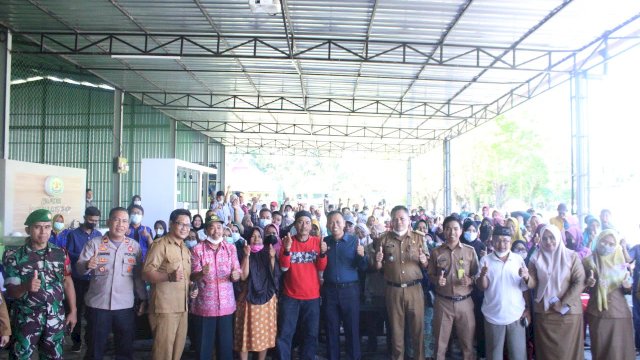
column 276, row 213
column 116, row 209
column 92, row 211
column 88, row 189
column 451, row 218
column 263, row 210
column 179, row 212
column 135, row 207
column 220, row 193
column 334, row 212
column 399, row 208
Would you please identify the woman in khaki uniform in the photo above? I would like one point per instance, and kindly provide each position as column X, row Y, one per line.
column 608, row 314
column 5, row 323
column 557, row 276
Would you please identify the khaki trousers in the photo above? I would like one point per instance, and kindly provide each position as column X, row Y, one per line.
column 169, row 335
column 446, row 314
column 405, row 306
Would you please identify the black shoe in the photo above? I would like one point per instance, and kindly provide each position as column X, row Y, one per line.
column 76, row 347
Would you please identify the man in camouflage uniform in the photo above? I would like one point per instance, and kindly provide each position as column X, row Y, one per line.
column 39, row 278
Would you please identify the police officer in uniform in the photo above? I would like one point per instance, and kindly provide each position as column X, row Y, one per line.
column 38, row 279
column 114, row 262
column 401, row 254
column 452, row 269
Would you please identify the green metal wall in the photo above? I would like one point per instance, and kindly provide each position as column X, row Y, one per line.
column 59, row 123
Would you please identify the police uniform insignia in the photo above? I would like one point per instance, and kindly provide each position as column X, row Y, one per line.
column 129, row 268
column 102, row 260
column 132, row 261
column 130, row 248
column 102, row 248
column 105, row 240
column 101, row 269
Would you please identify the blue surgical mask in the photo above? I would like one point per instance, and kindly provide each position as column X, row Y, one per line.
column 470, row 236
column 136, row 219
column 57, row 226
column 604, row 250
column 264, row 222
column 235, row 236
column 190, row 243
column 229, row 239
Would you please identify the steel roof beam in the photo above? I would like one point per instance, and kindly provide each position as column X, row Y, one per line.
column 216, row 46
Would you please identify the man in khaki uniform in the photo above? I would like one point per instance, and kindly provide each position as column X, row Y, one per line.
column 114, row 262
column 168, row 267
column 452, row 268
column 400, row 255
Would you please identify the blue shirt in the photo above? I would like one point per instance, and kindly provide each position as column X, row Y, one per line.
column 75, row 243
column 343, row 262
column 634, row 254
column 137, row 236
column 60, row 238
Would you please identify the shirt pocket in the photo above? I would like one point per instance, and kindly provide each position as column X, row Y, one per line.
column 128, row 264
column 173, row 262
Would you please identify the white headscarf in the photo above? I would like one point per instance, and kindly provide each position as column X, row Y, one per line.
column 552, row 267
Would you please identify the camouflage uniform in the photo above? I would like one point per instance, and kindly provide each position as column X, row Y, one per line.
column 38, row 318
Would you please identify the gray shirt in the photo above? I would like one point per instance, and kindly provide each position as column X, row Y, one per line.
column 118, row 273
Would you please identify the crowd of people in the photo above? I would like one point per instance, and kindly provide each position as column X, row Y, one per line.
column 272, row 278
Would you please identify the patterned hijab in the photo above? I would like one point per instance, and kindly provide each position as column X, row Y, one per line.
column 552, row 267
column 610, row 270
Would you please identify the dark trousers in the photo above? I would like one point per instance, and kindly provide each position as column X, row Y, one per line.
column 308, row 313
column 210, row 330
column 636, row 319
column 121, row 322
column 342, row 305
column 81, row 287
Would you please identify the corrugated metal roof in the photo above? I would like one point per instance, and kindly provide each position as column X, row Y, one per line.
column 391, row 72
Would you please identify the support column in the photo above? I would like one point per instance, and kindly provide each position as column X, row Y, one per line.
column 173, row 128
column 116, row 179
column 409, row 179
column 5, row 91
column 580, row 172
column 447, row 175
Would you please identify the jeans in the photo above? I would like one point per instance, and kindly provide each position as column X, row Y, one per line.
column 308, row 312
column 81, row 287
column 210, row 330
column 342, row 305
column 121, row 322
column 636, row 317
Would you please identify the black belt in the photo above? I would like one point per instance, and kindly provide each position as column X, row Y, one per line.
column 404, row 285
column 455, row 298
column 340, row 285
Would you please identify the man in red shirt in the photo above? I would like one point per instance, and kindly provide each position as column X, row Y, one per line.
column 301, row 258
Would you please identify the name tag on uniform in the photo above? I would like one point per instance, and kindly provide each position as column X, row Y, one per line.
column 104, row 254
column 103, row 260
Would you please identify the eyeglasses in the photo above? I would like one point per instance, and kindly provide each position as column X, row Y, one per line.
column 182, row 225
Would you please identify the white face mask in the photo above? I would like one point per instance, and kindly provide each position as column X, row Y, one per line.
column 160, row 232
column 136, row 218
column 137, row 202
column 214, row 241
column 264, row 222
column 235, row 236
column 401, row 233
column 502, row 254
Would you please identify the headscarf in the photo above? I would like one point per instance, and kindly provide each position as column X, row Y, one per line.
column 485, row 230
column 201, row 227
column 517, row 235
column 367, row 234
column 278, row 244
column 611, row 269
column 263, row 281
column 552, row 267
column 578, row 246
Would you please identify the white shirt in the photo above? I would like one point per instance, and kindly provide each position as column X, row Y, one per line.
column 503, row 302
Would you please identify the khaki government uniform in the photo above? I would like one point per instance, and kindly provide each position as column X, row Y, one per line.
column 403, row 293
column 453, row 304
column 5, row 321
column 168, row 307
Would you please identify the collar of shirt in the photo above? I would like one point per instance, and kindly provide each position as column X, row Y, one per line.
column 345, row 238
column 459, row 246
column 173, row 240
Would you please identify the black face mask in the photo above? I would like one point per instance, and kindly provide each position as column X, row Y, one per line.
column 270, row 240
column 89, row 225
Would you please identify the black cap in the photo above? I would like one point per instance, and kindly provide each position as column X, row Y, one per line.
column 500, row 230
column 302, row 213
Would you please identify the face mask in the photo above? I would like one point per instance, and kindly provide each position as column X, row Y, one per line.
column 229, row 239
column 256, row 248
column 137, row 202
column 235, row 236
column 289, row 214
column 89, row 225
column 190, row 243
column 522, row 253
column 264, row 222
column 136, row 218
column 470, row 236
column 400, row 233
column 213, row 241
column 57, row 226
column 502, row 254
column 434, row 228
column 160, row 232
column 604, row 250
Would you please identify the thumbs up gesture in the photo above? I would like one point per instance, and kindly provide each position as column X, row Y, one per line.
column 423, row 258
column 246, row 249
column 591, row 280
column 323, row 247
column 286, row 242
column 524, row 273
column 484, row 270
column 235, row 275
column 177, row 275
column 379, row 255
column 626, row 284
column 442, row 281
column 93, row 262
column 34, row 283
column 360, row 249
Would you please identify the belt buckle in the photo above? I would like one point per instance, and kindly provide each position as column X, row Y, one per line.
column 403, row 285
